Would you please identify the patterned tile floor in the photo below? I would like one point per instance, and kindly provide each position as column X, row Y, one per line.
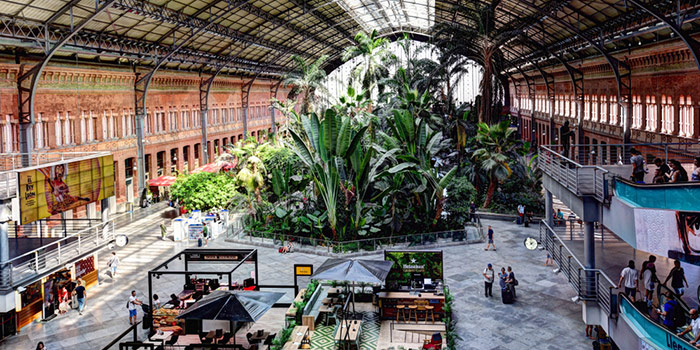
column 322, row 338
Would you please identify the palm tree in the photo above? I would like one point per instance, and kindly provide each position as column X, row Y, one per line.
column 376, row 58
column 498, row 143
column 306, row 80
column 477, row 37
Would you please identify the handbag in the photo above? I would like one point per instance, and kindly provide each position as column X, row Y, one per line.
column 515, row 282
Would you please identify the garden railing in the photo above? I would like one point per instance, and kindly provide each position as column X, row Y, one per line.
column 472, row 233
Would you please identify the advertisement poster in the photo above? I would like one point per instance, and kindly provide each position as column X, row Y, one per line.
column 669, row 233
column 196, row 231
column 85, row 266
column 427, row 263
column 52, row 190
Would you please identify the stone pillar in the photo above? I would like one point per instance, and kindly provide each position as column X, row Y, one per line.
column 548, row 208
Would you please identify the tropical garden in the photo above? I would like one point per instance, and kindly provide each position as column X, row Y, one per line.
column 395, row 154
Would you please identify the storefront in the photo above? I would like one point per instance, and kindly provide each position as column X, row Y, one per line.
column 86, row 270
column 28, row 303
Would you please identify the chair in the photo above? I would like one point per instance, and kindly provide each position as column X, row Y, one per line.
column 430, row 310
column 226, row 338
column 219, row 334
column 400, row 311
column 333, row 315
column 412, row 312
column 173, row 340
column 248, row 336
column 268, row 340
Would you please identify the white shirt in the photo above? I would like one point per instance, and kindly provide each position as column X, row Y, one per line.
column 521, row 209
column 132, row 303
column 647, row 278
column 489, row 275
column 113, row 261
column 629, row 276
column 695, row 326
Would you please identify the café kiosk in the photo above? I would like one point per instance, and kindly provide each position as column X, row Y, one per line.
column 414, row 290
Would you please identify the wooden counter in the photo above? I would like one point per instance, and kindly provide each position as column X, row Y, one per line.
column 389, row 300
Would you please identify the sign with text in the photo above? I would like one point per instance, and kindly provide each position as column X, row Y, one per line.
column 54, row 189
column 426, row 263
column 217, row 257
column 303, row 270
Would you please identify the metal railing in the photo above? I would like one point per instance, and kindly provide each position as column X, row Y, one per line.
column 472, row 233
column 65, row 250
column 579, row 179
column 48, row 228
column 589, row 284
column 619, row 154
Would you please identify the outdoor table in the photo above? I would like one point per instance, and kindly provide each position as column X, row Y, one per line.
column 349, row 332
column 162, row 337
column 334, row 291
column 259, row 338
column 298, row 334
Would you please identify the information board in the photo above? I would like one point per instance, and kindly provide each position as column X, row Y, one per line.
column 406, row 262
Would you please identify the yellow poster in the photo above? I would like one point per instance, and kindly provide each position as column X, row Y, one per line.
column 55, row 189
column 303, row 270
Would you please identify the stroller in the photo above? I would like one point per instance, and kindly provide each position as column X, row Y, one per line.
column 435, row 342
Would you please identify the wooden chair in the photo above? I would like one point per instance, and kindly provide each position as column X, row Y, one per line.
column 430, row 310
column 400, row 311
column 412, row 312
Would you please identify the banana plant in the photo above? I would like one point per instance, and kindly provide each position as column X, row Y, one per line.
column 324, row 147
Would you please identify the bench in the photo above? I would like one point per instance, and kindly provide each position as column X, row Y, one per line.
column 298, row 334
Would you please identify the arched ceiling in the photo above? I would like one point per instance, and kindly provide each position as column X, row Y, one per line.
column 255, row 37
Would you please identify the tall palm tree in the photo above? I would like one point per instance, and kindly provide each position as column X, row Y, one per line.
column 307, row 81
column 376, row 58
column 498, row 144
column 476, row 36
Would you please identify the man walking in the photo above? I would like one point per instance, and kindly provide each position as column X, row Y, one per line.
column 80, row 294
column 629, row 275
column 488, row 280
column 112, row 264
column 490, row 239
column 677, row 277
column 637, row 166
column 133, row 301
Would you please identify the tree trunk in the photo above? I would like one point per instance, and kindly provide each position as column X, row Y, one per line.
column 438, row 211
column 486, row 89
column 489, row 195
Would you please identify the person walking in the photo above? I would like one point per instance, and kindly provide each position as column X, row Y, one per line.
column 629, row 276
column 163, row 231
column 112, row 264
column 677, row 277
column 133, row 302
column 81, row 295
column 488, row 280
column 490, row 239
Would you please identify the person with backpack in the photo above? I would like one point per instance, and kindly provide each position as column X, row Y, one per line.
column 677, row 277
column 649, row 279
column 672, row 313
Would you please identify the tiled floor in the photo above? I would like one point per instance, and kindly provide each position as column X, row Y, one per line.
column 543, row 317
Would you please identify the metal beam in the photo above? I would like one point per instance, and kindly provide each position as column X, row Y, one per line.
column 675, row 26
column 28, row 79
column 273, row 92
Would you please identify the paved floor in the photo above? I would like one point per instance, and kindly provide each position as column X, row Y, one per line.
column 543, row 317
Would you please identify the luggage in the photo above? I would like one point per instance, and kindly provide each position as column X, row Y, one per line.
column 506, row 296
column 520, row 220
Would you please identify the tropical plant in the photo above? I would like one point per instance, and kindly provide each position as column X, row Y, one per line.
column 204, row 191
column 375, row 60
column 479, row 28
column 306, row 80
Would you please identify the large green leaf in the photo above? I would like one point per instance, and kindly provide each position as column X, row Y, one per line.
column 343, row 140
column 355, row 143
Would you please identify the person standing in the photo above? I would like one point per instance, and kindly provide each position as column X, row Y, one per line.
column 133, row 302
column 694, row 326
column 565, row 133
column 649, row 278
column 669, row 311
column 629, row 276
column 677, row 277
column 81, row 295
column 521, row 213
column 637, row 166
column 163, row 231
column 502, row 277
column 488, row 280
column 695, row 175
column 511, row 282
column 112, row 264
column 490, row 239
column 472, row 212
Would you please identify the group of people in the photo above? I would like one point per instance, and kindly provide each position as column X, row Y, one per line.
column 630, row 277
column 666, row 172
column 506, row 280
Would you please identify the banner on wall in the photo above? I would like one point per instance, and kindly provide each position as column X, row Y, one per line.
column 54, row 189
column 406, row 263
column 669, row 233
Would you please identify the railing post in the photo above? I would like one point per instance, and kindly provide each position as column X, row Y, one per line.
column 79, row 245
column 36, row 260
column 60, row 261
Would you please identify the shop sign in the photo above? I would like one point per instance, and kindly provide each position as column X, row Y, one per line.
column 217, row 257
column 85, row 266
column 303, row 270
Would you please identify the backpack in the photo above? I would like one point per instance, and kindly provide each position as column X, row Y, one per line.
column 677, row 315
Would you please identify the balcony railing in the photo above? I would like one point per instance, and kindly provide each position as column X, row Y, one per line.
column 589, row 284
column 579, row 179
column 50, row 256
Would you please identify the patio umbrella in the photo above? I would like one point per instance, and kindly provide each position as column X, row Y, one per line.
column 232, row 306
column 209, row 168
column 366, row 271
column 165, row 180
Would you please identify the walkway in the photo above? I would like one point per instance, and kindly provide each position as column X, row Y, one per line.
column 543, row 317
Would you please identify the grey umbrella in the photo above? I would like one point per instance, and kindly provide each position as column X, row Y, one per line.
column 341, row 269
column 232, row 306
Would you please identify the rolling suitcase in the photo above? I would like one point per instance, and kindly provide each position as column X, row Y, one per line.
column 506, row 296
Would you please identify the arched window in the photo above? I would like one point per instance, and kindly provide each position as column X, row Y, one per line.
column 652, row 116
column 637, row 112
column 667, row 114
column 587, row 107
column 594, row 108
column 603, row 109
column 687, row 116
column 614, row 109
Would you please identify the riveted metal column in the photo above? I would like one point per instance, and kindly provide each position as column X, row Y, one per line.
column 272, row 108
column 140, row 91
column 245, row 96
column 204, row 88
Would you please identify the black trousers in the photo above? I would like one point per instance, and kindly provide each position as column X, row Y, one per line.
column 487, row 289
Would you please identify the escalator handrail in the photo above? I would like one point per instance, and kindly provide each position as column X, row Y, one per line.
column 646, row 316
column 678, row 298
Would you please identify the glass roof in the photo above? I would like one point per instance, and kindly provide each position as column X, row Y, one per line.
column 392, row 15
